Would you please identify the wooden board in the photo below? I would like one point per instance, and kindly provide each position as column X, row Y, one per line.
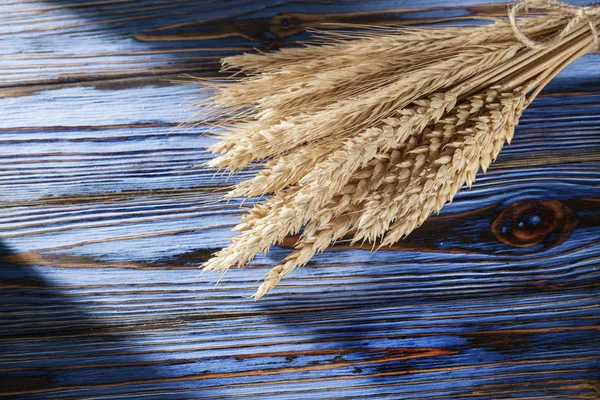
column 106, row 215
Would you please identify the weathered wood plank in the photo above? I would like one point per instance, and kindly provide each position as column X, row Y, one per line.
column 106, row 214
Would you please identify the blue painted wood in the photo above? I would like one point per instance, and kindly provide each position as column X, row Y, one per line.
column 106, row 213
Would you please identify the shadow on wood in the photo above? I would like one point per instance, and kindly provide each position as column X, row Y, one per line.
column 39, row 352
column 189, row 37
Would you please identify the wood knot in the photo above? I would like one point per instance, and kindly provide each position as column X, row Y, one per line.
column 284, row 25
column 530, row 222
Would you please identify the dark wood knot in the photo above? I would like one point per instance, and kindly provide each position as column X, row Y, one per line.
column 285, row 25
column 530, row 222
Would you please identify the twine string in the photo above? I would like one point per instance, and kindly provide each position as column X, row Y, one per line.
column 577, row 14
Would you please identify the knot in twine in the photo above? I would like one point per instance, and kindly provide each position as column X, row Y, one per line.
column 578, row 14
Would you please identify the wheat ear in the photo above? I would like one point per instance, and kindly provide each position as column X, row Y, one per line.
column 394, row 123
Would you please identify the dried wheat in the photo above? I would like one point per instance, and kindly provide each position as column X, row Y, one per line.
column 369, row 132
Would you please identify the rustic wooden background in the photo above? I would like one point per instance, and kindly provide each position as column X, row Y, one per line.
column 105, row 215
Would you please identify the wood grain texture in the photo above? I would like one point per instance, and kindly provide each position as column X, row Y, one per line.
column 106, row 212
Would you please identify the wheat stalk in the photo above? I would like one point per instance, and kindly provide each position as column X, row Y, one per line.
column 365, row 133
column 357, row 113
column 403, row 194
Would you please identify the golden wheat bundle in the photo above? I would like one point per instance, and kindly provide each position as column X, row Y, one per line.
column 362, row 134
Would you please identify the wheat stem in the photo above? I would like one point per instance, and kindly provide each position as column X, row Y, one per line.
column 370, row 132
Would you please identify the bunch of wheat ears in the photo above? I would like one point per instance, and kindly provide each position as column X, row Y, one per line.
column 362, row 134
